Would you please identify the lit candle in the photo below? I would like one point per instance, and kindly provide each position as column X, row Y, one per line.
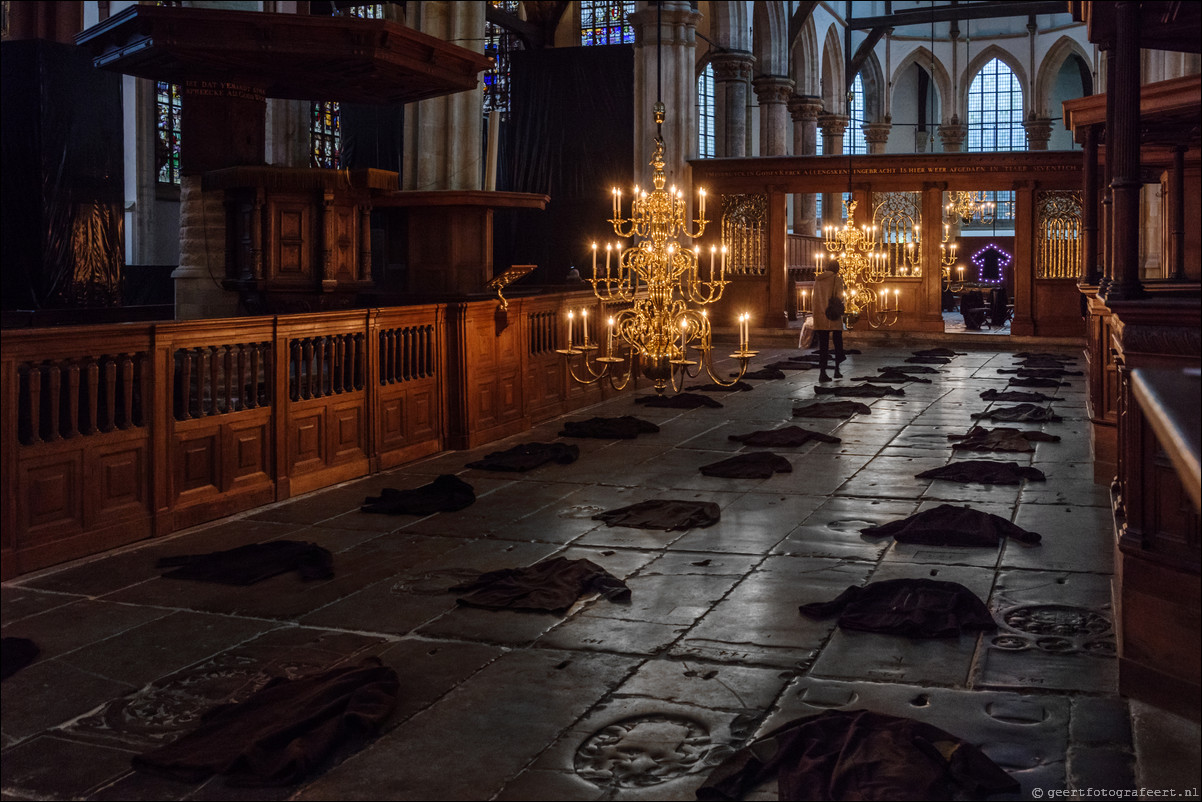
column 896, row 299
column 805, row 306
column 584, row 325
column 570, row 322
column 722, row 274
column 609, row 249
column 594, row 260
column 701, row 213
column 684, row 324
column 609, row 342
column 617, row 194
column 713, row 250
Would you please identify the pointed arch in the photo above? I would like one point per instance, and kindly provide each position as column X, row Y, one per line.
column 1049, row 69
column 805, row 60
column 979, row 60
column 769, row 32
column 834, row 99
column 921, row 58
column 874, row 89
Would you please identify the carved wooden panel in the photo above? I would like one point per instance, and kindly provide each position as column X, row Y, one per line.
column 292, row 244
column 197, row 461
column 346, row 431
column 308, row 442
column 50, row 490
column 118, row 474
column 248, row 454
column 343, row 243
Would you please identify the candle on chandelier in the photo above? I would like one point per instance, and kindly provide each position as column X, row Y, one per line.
column 609, row 341
column 896, row 299
column 617, row 195
column 594, row 260
column 571, row 320
column 609, row 249
column 805, row 306
column 722, row 274
column 713, row 250
column 701, row 208
column 684, row 325
column 584, row 325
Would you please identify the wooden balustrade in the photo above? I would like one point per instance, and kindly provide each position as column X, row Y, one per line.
column 117, row 433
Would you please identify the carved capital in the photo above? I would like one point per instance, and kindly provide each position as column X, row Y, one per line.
column 832, row 124
column 876, row 133
column 953, row 135
column 773, row 89
column 732, row 65
column 1039, row 131
column 805, row 108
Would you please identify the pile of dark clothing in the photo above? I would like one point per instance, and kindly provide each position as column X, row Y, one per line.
column 1014, row 395
column 909, row 369
column 447, row 493
column 736, row 387
column 550, row 586
column 785, row 437
column 763, row 374
column 284, row 732
column 1001, row 439
column 888, row 376
column 928, row 360
column 15, row 654
column 914, row 608
column 623, row 428
column 984, row 471
column 527, row 456
column 858, row 754
column 860, row 391
column 247, row 565
column 668, row 515
column 836, row 409
column 1042, row 373
column 948, row 525
column 1023, row 413
column 752, row 465
column 1038, row 383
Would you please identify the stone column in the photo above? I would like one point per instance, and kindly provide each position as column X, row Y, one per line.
column 732, row 72
column 288, row 133
column 665, row 41
column 772, row 92
column 953, row 135
column 444, row 135
column 877, row 135
column 805, row 110
column 1039, row 131
column 1122, row 150
column 198, row 291
column 833, row 126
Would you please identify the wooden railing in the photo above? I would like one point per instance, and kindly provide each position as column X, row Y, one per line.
column 120, row 432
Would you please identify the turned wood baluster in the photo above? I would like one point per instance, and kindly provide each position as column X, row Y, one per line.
column 110, row 394
column 183, row 385
column 307, row 350
column 214, row 378
column 388, row 350
column 93, row 381
column 127, row 391
column 346, row 368
column 71, row 422
column 35, row 404
column 359, row 362
column 243, row 385
column 54, row 397
column 253, row 399
column 228, row 367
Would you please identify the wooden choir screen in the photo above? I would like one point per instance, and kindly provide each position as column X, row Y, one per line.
column 117, row 433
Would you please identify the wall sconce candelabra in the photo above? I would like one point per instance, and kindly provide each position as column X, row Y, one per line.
column 863, row 269
column 664, row 284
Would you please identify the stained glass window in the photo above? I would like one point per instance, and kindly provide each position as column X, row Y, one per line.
column 853, row 141
column 498, row 44
column 604, row 22
column 366, row 11
column 705, row 113
column 995, row 110
column 167, row 108
column 325, row 134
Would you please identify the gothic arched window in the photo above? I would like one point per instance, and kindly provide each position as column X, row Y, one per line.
column 167, row 107
column 498, row 44
column 995, row 110
column 705, row 113
column 325, row 134
column 853, row 140
column 604, row 22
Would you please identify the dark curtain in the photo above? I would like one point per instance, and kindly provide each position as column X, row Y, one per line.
column 372, row 136
column 63, row 183
column 570, row 135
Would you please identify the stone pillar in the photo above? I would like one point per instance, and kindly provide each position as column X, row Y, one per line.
column 670, row 33
column 877, row 135
column 198, row 291
column 804, row 110
column 288, row 142
column 953, row 135
column 444, row 135
column 772, row 92
column 732, row 71
column 1039, row 131
column 833, row 126
column 1122, row 150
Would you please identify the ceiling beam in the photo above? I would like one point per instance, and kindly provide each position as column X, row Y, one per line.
column 803, row 12
column 862, row 54
column 531, row 34
column 924, row 16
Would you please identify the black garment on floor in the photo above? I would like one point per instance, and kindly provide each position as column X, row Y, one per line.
column 788, row 364
column 247, row 565
column 938, row 352
column 550, row 586
column 623, row 428
column 678, row 401
column 949, row 525
column 1037, row 383
column 818, row 350
column 737, row 387
column 445, row 494
column 1000, row 439
column 928, row 360
column 665, row 514
column 1044, row 355
column 984, row 471
column 785, row 437
column 284, row 731
column 763, row 374
column 915, row 608
column 1023, row 413
column 752, row 465
column 858, row 754
column 834, row 409
column 15, row 654
column 1042, row 373
column 1014, row 395
column 859, row 391
column 1036, row 362
column 890, row 376
column 527, row 456
column 907, row 369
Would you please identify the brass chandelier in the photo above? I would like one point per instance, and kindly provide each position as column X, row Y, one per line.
column 968, row 205
column 863, row 268
column 663, row 282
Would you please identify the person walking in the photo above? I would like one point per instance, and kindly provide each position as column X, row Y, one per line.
column 828, row 286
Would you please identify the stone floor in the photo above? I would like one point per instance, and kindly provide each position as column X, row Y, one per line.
column 600, row 703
